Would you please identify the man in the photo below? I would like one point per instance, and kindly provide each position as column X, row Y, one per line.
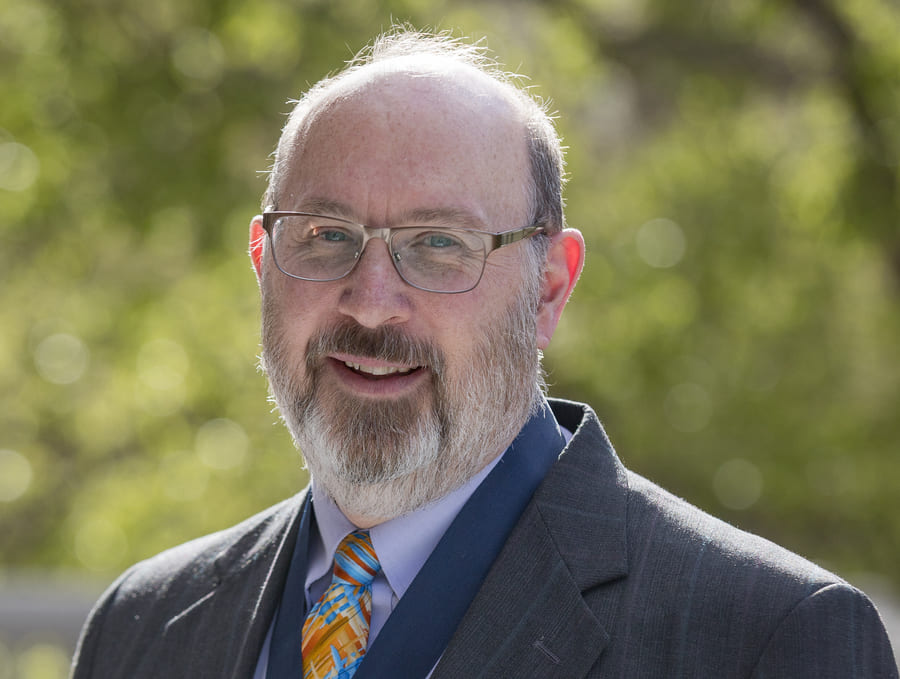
column 458, row 524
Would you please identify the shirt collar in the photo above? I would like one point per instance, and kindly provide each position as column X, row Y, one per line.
column 402, row 544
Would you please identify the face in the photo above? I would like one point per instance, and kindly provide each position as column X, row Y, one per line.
column 395, row 395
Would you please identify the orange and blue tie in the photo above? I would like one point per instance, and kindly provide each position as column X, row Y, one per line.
column 336, row 631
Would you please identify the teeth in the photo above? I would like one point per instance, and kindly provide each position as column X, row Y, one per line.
column 378, row 371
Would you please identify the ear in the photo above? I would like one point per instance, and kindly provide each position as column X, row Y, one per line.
column 257, row 241
column 565, row 259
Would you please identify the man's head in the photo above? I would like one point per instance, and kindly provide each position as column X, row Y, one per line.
column 397, row 395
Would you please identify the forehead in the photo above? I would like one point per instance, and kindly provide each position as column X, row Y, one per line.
column 390, row 139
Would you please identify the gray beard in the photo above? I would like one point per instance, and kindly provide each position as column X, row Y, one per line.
column 383, row 459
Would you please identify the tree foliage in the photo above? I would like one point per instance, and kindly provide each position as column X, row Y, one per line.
column 734, row 166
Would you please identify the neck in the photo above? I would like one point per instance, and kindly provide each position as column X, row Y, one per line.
column 368, row 504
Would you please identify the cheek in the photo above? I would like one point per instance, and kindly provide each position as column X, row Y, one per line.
column 461, row 325
column 287, row 314
column 295, row 300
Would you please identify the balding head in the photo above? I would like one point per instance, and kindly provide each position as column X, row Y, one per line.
column 466, row 80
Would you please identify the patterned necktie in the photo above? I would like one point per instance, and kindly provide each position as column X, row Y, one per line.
column 337, row 629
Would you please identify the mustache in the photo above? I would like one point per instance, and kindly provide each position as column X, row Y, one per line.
column 384, row 343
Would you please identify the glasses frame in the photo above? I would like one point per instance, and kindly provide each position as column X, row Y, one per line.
column 492, row 241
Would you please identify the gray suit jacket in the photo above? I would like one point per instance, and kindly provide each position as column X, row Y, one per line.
column 605, row 575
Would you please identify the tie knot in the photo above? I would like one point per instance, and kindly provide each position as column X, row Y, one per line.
column 355, row 562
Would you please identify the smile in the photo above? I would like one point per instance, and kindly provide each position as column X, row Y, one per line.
column 364, row 376
column 378, row 371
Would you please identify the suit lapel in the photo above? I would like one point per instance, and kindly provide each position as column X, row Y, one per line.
column 244, row 590
column 437, row 599
column 530, row 617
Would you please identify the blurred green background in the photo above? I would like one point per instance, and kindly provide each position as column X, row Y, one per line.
column 734, row 168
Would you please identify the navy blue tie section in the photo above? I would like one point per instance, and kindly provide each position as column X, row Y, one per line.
column 285, row 659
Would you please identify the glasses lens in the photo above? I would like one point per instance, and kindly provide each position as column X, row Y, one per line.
column 439, row 259
column 315, row 248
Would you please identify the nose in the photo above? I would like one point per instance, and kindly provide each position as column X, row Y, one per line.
column 373, row 293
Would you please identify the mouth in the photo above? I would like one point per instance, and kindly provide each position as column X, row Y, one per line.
column 368, row 376
column 379, row 371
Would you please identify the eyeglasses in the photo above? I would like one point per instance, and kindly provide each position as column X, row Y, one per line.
column 431, row 258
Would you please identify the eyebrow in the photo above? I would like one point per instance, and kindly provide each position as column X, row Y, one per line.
column 448, row 216
column 325, row 206
column 445, row 215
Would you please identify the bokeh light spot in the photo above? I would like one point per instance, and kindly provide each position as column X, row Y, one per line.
column 738, row 484
column 61, row 358
column 15, row 475
column 19, row 167
column 222, row 444
column 660, row 243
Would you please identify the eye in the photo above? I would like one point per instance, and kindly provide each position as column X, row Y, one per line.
column 438, row 240
column 330, row 234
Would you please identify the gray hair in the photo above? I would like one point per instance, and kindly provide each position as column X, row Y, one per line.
column 544, row 146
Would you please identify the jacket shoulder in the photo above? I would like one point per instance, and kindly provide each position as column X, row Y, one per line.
column 211, row 556
column 680, row 589
column 662, row 522
column 752, row 605
column 135, row 612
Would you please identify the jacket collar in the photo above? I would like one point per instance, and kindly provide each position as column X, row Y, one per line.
column 530, row 617
column 241, row 587
column 586, row 490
